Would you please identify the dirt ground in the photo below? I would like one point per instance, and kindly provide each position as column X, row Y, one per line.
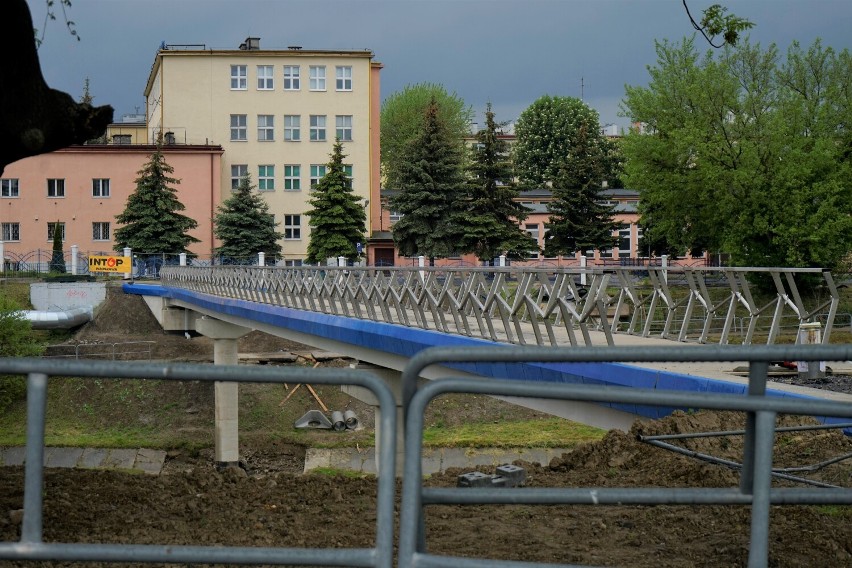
column 272, row 504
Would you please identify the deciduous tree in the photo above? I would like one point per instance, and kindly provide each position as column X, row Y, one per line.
column 338, row 220
column 151, row 220
column 245, row 226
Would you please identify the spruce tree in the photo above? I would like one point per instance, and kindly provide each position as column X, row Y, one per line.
column 430, row 191
column 245, row 226
column 492, row 214
column 57, row 258
column 338, row 220
column 579, row 221
column 151, row 219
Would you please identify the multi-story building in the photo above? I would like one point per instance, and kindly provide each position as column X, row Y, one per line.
column 276, row 113
column 81, row 189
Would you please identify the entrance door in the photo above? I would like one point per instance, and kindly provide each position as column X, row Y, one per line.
column 384, row 256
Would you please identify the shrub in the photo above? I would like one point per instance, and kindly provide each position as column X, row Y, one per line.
column 16, row 340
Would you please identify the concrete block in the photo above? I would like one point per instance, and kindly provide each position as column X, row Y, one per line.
column 474, row 479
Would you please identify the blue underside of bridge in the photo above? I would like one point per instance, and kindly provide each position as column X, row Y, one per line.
column 406, row 342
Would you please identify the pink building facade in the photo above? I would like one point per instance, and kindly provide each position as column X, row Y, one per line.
column 83, row 189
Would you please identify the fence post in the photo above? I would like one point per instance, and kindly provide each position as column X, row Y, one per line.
column 2, row 257
column 341, row 261
column 128, row 254
column 502, row 260
column 74, row 250
column 664, row 262
column 261, row 259
column 583, row 262
column 182, row 259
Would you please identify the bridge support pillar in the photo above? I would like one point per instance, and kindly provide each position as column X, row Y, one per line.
column 224, row 336
column 393, row 378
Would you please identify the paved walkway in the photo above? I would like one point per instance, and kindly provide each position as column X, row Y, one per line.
column 144, row 460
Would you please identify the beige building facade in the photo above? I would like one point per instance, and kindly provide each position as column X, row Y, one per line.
column 276, row 113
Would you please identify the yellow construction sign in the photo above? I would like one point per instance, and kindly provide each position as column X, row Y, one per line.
column 110, row 264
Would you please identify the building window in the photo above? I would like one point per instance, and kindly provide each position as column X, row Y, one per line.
column 239, row 127
column 122, row 139
column 347, row 169
column 239, row 76
column 291, row 78
column 292, row 227
column 317, row 173
column 56, row 188
column 292, row 130
column 292, row 179
column 9, row 187
column 100, row 188
column 395, row 216
column 624, row 248
column 11, row 231
column 344, row 78
column 266, row 128
column 52, row 227
column 532, row 231
column 343, row 123
column 266, row 178
column 317, row 77
column 265, row 74
column 318, row 127
column 238, row 172
column 296, row 262
column 100, row 231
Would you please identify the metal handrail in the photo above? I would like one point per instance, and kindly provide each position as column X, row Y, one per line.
column 755, row 485
column 32, row 547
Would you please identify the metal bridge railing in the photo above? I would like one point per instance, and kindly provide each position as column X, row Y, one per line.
column 755, row 489
column 31, row 546
column 544, row 306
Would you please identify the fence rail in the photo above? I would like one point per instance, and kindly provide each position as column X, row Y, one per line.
column 541, row 305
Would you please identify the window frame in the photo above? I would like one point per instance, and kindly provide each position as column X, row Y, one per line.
column 315, row 176
column 266, row 177
column 316, row 129
column 241, row 172
column 291, row 226
column 292, row 81
column 237, row 129
column 317, row 76
column 534, row 231
column 100, row 190
column 268, row 80
column 341, row 128
column 11, row 229
column 102, row 227
column 56, row 190
column 10, row 188
column 291, row 129
column 342, row 79
column 266, row 129
column 239, row 81
column 292, row 177
column 51, row 227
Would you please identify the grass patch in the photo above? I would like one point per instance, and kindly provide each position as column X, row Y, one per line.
column 540, row 433
column 334, row 472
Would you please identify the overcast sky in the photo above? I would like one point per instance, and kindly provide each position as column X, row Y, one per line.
column 509, row 52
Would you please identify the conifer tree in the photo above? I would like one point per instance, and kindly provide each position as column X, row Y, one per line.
column 579, row 221
column 245, row 226
column 337, row 220
column 57, row 258
column 151, row 219
column 430, row 191
column 492, row 213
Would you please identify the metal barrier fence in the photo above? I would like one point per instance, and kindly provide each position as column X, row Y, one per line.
column 548, row 306
column 32, row 547
column 755, row 487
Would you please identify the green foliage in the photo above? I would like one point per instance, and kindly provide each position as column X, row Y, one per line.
column 745, row 154
column 716, row 21
column 151, row 219
column 16, row 340
column 57, row 257
column 560, row 145
column 338, row 220
column 245, row 226
column 492, row 213
column 430, row 188
column 402, row 120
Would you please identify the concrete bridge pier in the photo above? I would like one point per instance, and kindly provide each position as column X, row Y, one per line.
column 224, row 336
column 393, row 379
